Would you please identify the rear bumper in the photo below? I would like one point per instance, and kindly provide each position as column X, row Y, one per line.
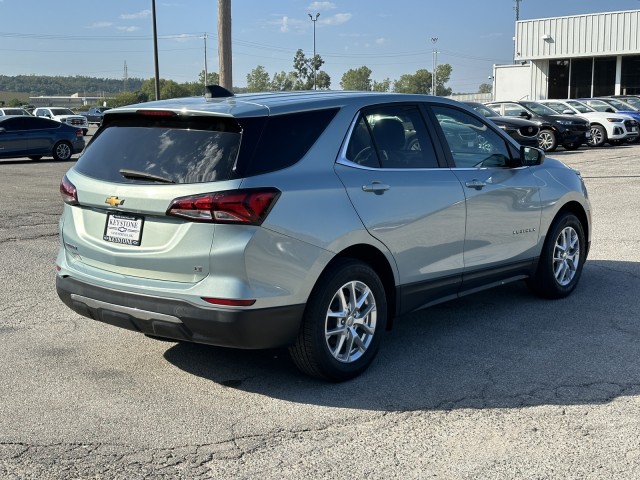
column 180, row 320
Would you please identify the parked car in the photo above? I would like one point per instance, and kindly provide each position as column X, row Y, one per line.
column 525, row 132
column 613, row 105
column 12, row 111
column 605, row 127
column 94, row 114
column 565, row 130
column 305, row 219
column 633, row 100
column 63, row 115
column 33, row 137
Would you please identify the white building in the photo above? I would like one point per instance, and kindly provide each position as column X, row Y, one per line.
column 572, row 57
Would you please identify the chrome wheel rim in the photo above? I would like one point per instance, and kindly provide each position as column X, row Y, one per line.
column 63, row 151
column 566, row 256
column 545, row 140
column 351, row 322
column 596, row 137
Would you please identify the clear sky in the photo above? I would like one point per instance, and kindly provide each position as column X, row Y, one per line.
column 391, row 37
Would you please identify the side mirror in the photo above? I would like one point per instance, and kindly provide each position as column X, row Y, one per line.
column 2, row 130
column 526, row 115
column 610, row 110
column 568, row 112
column 531, row 156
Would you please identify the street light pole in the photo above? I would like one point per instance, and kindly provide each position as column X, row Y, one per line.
column 434, row 82
column 313, row 63
column 205, row 62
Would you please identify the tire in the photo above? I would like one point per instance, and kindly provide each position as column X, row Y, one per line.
column 62, row 151
column 561, row 260
column 338, row 339
column 547, row 140
column 571, row 146
column 598, row 136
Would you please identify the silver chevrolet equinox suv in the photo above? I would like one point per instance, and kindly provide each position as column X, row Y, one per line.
column 308, row 220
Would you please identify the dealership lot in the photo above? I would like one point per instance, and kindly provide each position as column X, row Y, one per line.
column 496, row 385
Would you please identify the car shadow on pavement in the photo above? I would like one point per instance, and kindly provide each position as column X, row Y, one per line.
column 499, row 348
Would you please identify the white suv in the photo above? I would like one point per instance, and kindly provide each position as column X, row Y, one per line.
column 63, row 115
column 612, row 128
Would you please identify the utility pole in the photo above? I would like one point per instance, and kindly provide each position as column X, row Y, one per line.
column 224, row 43
column 313, row 63
column 434, row 82
column 125, row 78
column 155, row 49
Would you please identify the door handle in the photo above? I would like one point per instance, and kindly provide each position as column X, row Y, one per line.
column 376, row 187
column 477, row 184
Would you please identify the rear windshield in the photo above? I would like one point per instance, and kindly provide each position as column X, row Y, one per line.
column 132, row 148
column 177, row 149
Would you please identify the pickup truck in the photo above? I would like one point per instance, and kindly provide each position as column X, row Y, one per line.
column 63, row 115
column 94, row 114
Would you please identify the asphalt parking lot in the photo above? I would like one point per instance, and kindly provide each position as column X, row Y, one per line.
column 496, row 385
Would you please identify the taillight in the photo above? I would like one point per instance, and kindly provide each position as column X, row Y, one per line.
column 79, row 133
column 68, row 192
column 248, row 207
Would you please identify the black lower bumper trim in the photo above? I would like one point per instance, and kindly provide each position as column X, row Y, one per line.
column 179, row 320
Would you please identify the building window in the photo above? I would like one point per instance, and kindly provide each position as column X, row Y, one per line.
column 558, row 78
column 581, row 76
column 630, row 81
column 604, row 76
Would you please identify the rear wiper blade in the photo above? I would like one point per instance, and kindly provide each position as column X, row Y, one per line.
column 144, row 176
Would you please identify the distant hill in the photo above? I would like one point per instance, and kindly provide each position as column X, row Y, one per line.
column 36, row 85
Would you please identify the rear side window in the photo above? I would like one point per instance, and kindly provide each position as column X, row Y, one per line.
column 178, row 149
column 283, row 140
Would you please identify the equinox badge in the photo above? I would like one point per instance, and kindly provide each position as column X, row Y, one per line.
column 114, row 201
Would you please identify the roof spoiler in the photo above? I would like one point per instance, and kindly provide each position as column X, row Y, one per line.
column 216, row 91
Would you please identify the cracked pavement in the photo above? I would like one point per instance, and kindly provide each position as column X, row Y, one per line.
column 495, row 385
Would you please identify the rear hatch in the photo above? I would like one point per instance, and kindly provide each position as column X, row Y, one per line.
column 133, row 170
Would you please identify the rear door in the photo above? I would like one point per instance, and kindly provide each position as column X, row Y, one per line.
column 406, row 199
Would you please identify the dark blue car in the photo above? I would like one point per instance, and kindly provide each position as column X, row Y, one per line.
column 33, row 137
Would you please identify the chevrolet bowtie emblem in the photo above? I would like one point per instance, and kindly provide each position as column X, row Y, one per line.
column 114, row 201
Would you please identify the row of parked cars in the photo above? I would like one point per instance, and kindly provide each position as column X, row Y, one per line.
column 567, row 123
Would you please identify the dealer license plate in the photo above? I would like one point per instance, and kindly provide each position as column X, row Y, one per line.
column 125, row 229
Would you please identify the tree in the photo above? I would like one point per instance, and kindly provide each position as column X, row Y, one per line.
column 283, row 81
column 485, row 88
column 212, row 78
column 357, row 79
column 168, row 89
column 443, row 74
column 258, row 80
column 420, row 82
column 383, row 86
column 128, row 98
column 304, row 69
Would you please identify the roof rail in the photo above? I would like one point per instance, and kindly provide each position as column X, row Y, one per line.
column 216, row 91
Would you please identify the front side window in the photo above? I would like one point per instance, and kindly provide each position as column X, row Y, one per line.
column 472, row 143
column 391, row 137
column 514, row 110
